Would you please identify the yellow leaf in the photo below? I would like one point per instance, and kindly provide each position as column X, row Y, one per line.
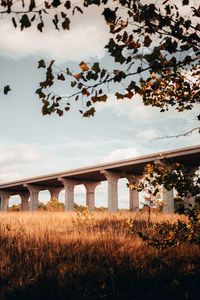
column 84, row 67
column 85, row 92
column 77, row 76
column 123, row 24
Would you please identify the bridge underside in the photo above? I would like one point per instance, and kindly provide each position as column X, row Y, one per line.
column 93, row 176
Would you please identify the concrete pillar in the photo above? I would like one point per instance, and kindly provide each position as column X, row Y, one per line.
column 90, row 194
column 112, row 178
column 69, row 185
column 168, row 200
column 24, row 200
column 54, row 192
column 5, row 196
column 189, row 202
column 34, row 191
column 133, row 200
column 167, row 197
column 133, row 193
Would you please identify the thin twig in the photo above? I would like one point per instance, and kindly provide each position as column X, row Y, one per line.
column 178, row 135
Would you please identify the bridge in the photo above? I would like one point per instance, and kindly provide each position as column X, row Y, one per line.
column 28, row 189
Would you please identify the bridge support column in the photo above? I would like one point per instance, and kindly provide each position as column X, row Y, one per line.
column 24, row 200
column 168, row 200
column 54, row 192
column 133, row 200
column 167, row 197
column 34, row 191
column 133, row 193
column 69, row 185
column 5, row 196
column 189, row 202
column 90, row 194
column 112, row 178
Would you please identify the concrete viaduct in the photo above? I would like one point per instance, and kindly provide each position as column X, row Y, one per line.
column 28, row 189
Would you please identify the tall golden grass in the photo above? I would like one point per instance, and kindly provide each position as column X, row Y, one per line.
column 88, row 256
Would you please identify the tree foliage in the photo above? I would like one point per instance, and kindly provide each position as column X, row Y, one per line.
column 185, row 179
column 165, row 235
column 154, row 48
column 54, row 205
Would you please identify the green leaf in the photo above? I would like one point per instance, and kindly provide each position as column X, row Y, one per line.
column 63, row 15
column 56, row 3
column 61, row 77
column 56, row 21
column 168, row 9
column 68, row 72
column 40, row 93
column 40, row 26
column 41, row 64
column 116, row 51
column 102, row 98
column 6, row 89
column 59, row 112
column 66, row 24
column 96, row 67
column 78, row 9
column 147, row 41
column 25, row 22
column 103, row 73
column 32, row 5
column 89, row 113
column 67, row 4
column 45, row 109
column 73, row 83
column 109, row 15
column 119, row 96
column 14, row 22
column 119, row 75
column 33, row 18
column 89, row 103
column 80, row 85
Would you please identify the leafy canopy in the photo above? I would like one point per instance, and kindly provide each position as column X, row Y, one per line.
column 185, row 180
column 154, row 47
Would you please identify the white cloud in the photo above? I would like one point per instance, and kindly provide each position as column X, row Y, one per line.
column 19, row 153
column 9, row 173
column 86, row 38
column 148, row 134
column 15, row 160
column 148, row 123
column 120, row 154
column 136, row 111
column 133, row 109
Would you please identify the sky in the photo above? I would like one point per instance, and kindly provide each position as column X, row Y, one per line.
column 32, row 144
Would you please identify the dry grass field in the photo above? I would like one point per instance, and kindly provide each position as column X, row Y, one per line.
column 61, row 255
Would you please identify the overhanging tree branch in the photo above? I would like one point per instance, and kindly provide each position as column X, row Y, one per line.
column 189, row 132
column 154, row 44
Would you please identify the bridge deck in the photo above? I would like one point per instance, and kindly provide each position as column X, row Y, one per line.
column 189, row 155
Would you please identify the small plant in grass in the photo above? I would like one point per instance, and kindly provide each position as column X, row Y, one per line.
column 54, row 205
column 15, row 208
column 166, row 234
column 186, row 181
column 83, row 216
